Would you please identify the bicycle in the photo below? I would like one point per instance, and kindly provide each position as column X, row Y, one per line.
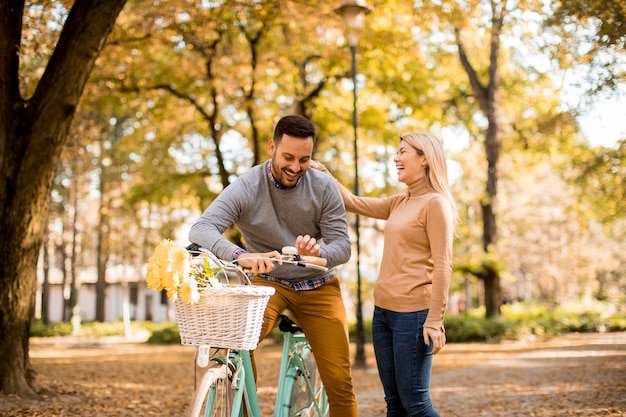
column 228, row 388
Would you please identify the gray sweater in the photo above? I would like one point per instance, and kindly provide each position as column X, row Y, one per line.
column 270, row 218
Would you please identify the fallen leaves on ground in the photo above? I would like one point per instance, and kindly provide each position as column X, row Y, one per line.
column 576, row 375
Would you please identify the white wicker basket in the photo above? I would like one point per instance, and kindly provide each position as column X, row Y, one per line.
column 227, row 317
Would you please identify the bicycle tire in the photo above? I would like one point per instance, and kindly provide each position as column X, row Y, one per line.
column 213, row 396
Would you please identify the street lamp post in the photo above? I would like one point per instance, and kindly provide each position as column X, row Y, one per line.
column 353, row 13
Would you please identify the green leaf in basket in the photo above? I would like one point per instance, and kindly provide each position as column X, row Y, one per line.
column 208, row 271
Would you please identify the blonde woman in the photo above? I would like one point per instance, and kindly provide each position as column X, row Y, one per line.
column 411, row 292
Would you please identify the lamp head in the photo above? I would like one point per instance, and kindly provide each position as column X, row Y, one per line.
column 353, row 13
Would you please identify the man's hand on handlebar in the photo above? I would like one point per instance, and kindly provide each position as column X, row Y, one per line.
column 308, row 252
column 260, row 263
column 307, row 246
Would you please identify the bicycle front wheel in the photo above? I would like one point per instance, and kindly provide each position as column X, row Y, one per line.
column 214, row 395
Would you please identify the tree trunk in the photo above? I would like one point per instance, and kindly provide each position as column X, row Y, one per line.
column 61, row 255
column 102, row 251
column 45, row 287
column 492, row 288
column 32, row 136
column 74, row 282
column 490, row 237
column 487, row 97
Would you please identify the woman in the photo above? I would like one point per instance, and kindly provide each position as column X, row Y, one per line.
column 411, row 292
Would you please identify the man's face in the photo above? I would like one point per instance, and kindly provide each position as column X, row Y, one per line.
column 290, row 159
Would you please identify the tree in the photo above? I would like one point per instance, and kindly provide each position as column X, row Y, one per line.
column 33, row 133
column 484, row 75
column 601, row 175
column 600, row 26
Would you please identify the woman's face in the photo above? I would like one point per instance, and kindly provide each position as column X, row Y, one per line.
column 410, row 163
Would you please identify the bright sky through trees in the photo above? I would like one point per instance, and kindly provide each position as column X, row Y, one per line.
column 605, row 123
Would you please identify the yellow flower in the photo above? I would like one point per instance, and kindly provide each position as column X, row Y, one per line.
column 188, row 291
column 170, row 278
column 168, row 266
column 153, row 275
column 170, row 269
column 171, row 293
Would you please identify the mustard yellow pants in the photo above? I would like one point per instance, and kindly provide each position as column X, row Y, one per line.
column 322, row 316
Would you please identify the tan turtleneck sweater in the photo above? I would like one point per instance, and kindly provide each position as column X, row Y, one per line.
column 416, row 265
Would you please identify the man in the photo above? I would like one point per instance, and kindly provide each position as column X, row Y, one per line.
column 281, row 203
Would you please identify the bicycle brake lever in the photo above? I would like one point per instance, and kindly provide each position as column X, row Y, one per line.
column 194, row 249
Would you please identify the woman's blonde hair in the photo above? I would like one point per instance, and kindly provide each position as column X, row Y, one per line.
column 436, row 173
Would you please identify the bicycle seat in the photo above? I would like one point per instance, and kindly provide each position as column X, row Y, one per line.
column 288, row 322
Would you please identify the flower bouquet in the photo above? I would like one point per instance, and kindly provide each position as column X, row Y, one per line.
column 207, row 311
column 170, row 268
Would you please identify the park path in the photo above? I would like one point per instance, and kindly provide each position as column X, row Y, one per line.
column 574, row 375
column 581, row 375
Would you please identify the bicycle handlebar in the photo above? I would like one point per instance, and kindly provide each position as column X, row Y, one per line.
column 290, row 253
column 289, row 256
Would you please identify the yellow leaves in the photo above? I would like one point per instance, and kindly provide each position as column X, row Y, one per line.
column 558, row 377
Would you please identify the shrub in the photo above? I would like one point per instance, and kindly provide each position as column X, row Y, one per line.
column 163, row 333
column 468, row 327
column 520, row 321
column 524, row 321
column 367, row 331
column 616, row 323
column 39, row 329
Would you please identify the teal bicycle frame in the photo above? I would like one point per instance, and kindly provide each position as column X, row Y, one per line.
column 300, row 392
column 247, row 396
column 298, row 377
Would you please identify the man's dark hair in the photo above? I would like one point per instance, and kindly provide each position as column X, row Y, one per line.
column 297, row 126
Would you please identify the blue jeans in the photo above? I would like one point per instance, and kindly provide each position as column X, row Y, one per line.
column 404, row 362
